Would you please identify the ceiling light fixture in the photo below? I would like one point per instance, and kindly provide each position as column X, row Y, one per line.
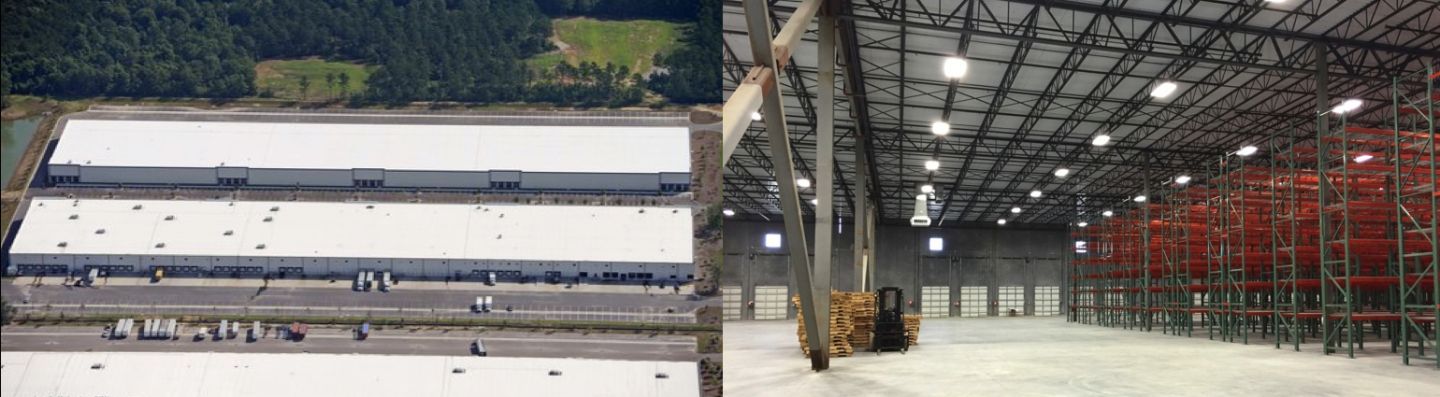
column 1001, row 221
column 1140, row 199
column 1036, row 193
column 1183, row 179
column 932, row 165
column 1347, row 106
column 1363, row 158
column 803, row 183
column 1082, row 224
column 1014, row 210
column 955, row 67
column 1062, row 172
column 1164, row 89
column 1108, row 214
column 728, row 212
column 927, row 189
column 755, row 116
column 940, row 128
column 1100, row 140
column 1247, row 150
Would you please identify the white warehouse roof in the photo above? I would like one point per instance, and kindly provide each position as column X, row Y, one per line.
column 437, row 147
column 156, row 374
column 357, row 230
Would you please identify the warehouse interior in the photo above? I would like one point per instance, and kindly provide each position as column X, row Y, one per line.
column 1081, row 197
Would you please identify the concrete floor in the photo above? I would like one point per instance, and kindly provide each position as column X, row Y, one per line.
column 1045, row 356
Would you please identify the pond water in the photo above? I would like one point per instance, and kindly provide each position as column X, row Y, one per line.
column 16, row 136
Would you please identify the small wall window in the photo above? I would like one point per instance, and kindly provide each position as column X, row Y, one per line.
column 937, row 244
column 773, row 240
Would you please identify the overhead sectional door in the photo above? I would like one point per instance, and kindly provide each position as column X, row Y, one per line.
column 731, row 303
column 770, row 301
column 1047, row 300
column 934, row 301
column 1012, row 297
column 972, row 301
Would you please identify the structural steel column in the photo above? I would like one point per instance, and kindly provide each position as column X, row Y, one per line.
column 746, row 98
column 862, row 224
column 825, row 162
column 757, row 20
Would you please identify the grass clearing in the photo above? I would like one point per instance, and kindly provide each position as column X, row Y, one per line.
column 632, row 43
column 281, row 78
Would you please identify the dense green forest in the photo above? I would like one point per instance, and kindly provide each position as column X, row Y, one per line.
column 683, row 10
column 693, row 71
column 458, row 50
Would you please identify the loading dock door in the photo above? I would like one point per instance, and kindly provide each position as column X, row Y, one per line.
column 770, row 301
column 934, row 301
column 730, row 303
column 1012, row 298
column 1047, row 300
column 972, row 301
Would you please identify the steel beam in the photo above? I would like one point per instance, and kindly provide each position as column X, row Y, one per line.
column 746, row 98
column 825, row 162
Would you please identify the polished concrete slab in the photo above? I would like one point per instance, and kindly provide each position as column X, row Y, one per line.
column 1046, row 356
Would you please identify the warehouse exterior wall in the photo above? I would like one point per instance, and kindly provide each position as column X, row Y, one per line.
column 434, row 179
column 404, row 267
column 285, row 177
column 146, row 175
column 587, row 181
column 982, row 257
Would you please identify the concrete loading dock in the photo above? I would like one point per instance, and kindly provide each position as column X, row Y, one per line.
column 316, row 239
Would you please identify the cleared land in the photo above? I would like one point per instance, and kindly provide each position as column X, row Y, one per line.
column 632, row 43
column 281, row 78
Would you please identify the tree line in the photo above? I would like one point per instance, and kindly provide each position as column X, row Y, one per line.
column 426, row 50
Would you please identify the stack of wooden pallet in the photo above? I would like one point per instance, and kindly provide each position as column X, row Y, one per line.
column 840, row 324
column 912, row 328
column 863, row 315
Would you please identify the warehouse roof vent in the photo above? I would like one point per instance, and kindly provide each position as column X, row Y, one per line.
column 662, row 375
column 370, row 207
column 269, row 218
column 100, row 231
column 457, row 370
column 169, row 217
column 229, row 232
column 275, row 208
column 555, row 372
column 160, row 245
column 74, row 216
column 62, row 244
column 260, row 247
column 137, row 207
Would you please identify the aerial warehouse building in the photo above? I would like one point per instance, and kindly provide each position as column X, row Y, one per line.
column 311, row 151
column 341, row 239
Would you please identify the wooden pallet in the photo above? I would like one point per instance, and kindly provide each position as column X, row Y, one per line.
column 912, row 328
column 841, row 324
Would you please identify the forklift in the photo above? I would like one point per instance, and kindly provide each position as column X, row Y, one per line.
column 889, row 332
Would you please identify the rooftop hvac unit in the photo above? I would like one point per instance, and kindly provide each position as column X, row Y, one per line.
column 922, row 212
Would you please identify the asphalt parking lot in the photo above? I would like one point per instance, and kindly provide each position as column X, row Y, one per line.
column 659, row 307
column 400, row 341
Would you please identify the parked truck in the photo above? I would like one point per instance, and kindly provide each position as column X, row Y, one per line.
column 255, row 332
column 384, row 281
column 363, row 331
column 298, row 331
column 91, row 277
column 360, row 281
column 234, row 330
column 489, row 303
column 224, row 329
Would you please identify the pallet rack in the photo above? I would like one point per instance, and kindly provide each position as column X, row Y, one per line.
column 1416, row 202
column 1331, row 237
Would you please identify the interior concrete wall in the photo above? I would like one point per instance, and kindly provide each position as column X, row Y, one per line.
column 991, row 257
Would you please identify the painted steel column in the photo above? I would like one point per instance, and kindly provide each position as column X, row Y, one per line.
column 757, row 20
column 862, row 225
column 825, row 164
